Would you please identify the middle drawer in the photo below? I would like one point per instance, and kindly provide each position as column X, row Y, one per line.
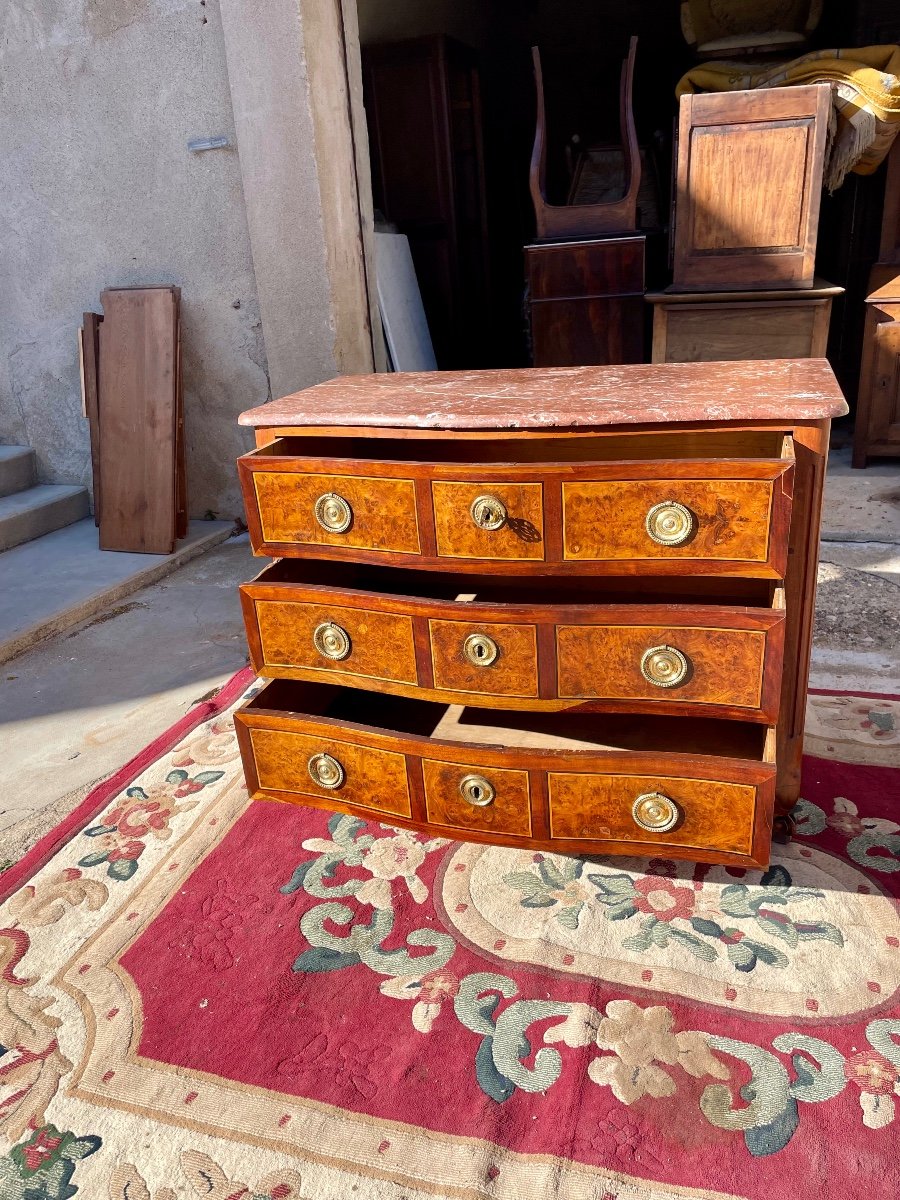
column 546, row 646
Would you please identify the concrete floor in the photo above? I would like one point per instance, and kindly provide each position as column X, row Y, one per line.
column 77, row 707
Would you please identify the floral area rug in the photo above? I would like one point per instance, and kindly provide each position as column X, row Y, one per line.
column 206, row 997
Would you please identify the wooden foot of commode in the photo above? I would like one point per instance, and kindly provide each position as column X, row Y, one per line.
column 783, row 828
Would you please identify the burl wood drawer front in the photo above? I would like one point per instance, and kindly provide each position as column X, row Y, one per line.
column 328, row 638
column 497, row 660
column 569, row 782
column 664, row 663
column 285, row 762
column 720, row 520
column 378, row 514
column 710, row 815
column 511, row 516
column 508, row 811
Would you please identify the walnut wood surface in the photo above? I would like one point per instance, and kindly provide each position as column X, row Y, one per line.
column 749, row 179
column 458, row 536
column 375, row 778
column 276, row 743
column 514, row 673
column 510, row 812
column 726, row 665
column 565, row 397
column 606, row 520
column 590, row 655
column 714, row 816
column 384, row 511
column 381, row 644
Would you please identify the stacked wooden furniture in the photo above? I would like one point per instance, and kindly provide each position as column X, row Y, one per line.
column 585, row 271
column 749, row 180
column 133, row 399
column 611, row 569
column 877, row 430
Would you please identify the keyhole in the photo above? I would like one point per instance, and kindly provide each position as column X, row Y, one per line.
column 476, row 792
column 479, row 651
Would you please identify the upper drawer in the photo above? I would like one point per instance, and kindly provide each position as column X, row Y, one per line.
column 705, row 514
column 567, row 504
column 318, row 509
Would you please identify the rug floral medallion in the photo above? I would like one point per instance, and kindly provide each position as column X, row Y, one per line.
column 203, row 996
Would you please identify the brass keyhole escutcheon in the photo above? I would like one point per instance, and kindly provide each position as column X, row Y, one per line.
column 333, row 513
column 326, row 771
column 476, row 790
column 664, row 666
column 488, row 512
column 655, row 812
column 332, row 641
column 669, row 523
column 480, row 649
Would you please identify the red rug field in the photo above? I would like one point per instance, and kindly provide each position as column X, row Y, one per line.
column 200, row 996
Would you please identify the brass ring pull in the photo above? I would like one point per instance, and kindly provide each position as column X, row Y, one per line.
column 332, row 641
column 669, row 523
column 480, row 649
column 326, row 771
column 476, row 790
column 655, row 812
column 333, row 513
column 488, row 512
column 664, row 666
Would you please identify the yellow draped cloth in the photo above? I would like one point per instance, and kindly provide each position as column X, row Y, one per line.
column 865, row 90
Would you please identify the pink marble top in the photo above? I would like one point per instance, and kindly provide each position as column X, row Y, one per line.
column 564, row 397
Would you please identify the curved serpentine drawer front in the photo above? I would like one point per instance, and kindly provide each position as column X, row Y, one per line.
column 513, row 647
column 671, row 516
column 653, row 785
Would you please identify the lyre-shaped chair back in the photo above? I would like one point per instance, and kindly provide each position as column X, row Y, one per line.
column 587, row 220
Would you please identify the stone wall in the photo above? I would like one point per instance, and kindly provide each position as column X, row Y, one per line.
column 99, row 99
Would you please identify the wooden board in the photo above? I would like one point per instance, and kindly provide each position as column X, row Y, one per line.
column 90, row 362
column 138, row 417
column 749, row 182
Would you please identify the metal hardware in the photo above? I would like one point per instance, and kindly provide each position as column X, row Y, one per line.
column 669, row 523
column 333, row 513
column 476, row 790
column 655, row 812
column 488, row 512
column 480, row 649
column 664, row 666
column 331, row 641
column 326, row 771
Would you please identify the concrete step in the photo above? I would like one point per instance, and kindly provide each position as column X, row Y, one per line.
column 65, row 578
column 16, row 469
column 38, row 510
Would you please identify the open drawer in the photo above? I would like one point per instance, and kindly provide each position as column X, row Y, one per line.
column 690, row 503
column 577, row 783
column 711, row 648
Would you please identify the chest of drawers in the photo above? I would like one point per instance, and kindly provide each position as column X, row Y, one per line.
column 567, row 609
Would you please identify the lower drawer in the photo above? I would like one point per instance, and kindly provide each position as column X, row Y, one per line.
column 573, row 783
